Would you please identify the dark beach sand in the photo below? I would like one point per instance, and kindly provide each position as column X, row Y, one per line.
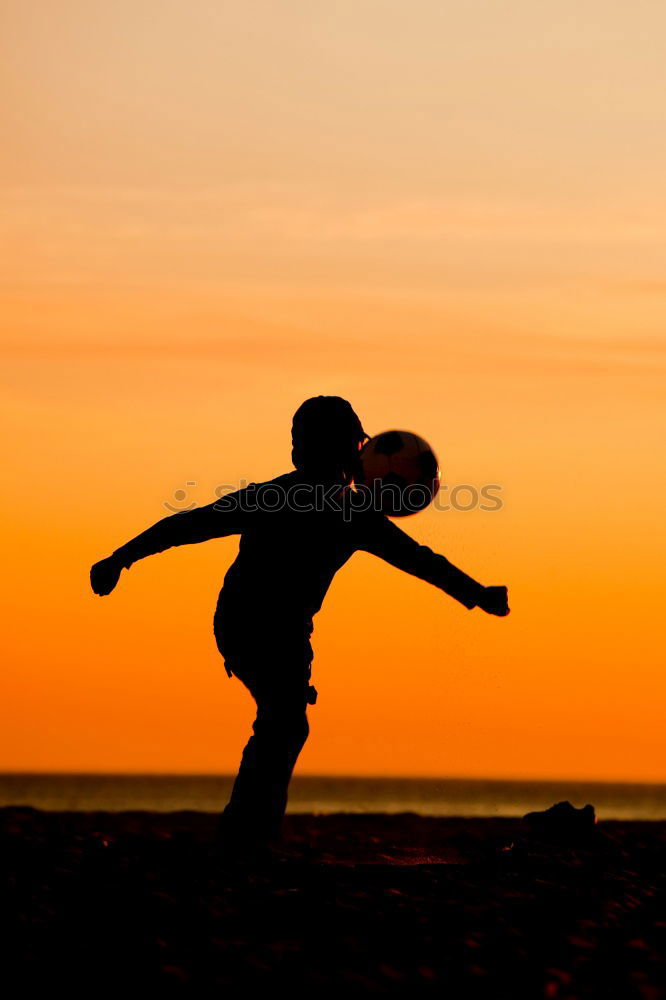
column 367, row 903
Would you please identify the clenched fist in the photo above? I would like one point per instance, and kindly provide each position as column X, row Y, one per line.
column 495, row 601
column 104, row 575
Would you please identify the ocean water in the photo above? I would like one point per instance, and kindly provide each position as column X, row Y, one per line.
column 425, row 796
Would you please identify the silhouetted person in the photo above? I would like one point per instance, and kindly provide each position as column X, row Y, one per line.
column 296, row 531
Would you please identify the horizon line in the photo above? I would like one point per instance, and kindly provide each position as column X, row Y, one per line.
column 339, row 777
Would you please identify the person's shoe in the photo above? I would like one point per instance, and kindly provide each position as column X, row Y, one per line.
column 239, row 848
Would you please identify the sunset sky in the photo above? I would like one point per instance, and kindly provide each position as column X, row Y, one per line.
column 454, row 215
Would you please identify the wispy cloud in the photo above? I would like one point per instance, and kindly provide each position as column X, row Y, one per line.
column 252, row 211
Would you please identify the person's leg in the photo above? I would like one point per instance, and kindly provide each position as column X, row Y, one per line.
column 259, row 797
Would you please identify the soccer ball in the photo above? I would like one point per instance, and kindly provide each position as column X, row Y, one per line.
column 401, row 472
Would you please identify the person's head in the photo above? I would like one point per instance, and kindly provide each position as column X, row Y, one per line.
column 326, row 437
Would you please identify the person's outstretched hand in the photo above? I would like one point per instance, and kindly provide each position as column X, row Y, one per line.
column 495, row 601
column 104, row 575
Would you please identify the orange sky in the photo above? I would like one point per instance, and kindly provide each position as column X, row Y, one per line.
column 453, row 217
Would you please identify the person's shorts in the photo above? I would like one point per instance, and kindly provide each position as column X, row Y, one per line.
column 274, row 674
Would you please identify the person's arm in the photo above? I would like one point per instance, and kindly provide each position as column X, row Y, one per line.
column 223, row 517
column 385, row 539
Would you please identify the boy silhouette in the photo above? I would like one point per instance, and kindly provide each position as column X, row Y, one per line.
column 296, row 531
